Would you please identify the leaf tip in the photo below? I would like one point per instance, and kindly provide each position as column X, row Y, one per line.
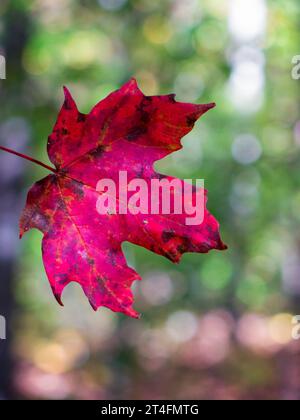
column 131, row 85
column 22, row 231
column 95, row 307
column 223, row 246
column 206, row 107
column 133, row 314
column 132, row 81
column 220, row 245
column 211, row 105
column 66, row 92
column 69, row 101
column 58, row 298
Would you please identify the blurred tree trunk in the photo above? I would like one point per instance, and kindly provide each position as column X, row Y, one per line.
column 14, row 38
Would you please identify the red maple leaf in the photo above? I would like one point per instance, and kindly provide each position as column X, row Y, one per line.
column 127, row 131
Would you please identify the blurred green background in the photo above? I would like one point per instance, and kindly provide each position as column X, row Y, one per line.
column 217, row 326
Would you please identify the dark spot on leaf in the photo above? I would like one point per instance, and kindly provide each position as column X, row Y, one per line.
column 62, row 279
column 112, row 256
column 98, row 152
column 171, row 255
column 167, row 235
column 91, row 261
column 181, row 248
column 81, row 118
column 136, row 132
column 67, row 105
column 145, row 117
column 152, row 248
column 100, row 281
column 140, row 172
column 41, row 220
column 78, row 189
column 171, row 98
column 190, row 120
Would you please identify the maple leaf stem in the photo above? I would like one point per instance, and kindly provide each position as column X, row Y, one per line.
column 5, row 149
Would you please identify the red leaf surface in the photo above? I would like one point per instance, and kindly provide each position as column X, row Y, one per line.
column 127, row 131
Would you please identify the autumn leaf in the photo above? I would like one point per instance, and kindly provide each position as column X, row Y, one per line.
column 127, row 131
